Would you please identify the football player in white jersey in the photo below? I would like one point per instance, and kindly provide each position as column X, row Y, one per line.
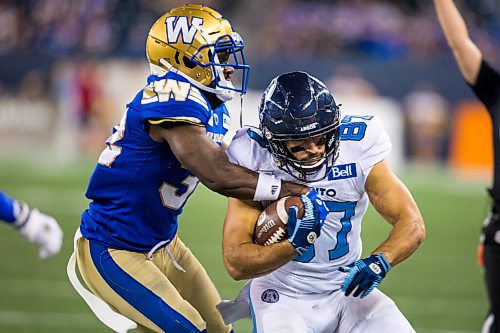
column 327, row 287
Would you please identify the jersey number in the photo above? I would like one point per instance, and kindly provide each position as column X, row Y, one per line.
column 353, row 131
column 171, row 196
column 342, row 246
column 111, row 152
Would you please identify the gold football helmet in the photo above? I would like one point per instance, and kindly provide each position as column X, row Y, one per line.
column 196, row 42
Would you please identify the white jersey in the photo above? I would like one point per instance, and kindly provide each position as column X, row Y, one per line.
column 363, row 143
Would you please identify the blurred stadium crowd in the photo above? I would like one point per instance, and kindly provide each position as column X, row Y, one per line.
column 367, row 28
column 52, row 52
column 91, row 27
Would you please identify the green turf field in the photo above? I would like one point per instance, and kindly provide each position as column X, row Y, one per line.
column 440, row 288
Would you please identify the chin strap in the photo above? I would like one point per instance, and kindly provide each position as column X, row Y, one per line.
column 241, row 110
column 156, row 70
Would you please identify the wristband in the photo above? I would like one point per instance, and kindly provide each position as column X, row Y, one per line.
column 268, row 188
column 22, row 213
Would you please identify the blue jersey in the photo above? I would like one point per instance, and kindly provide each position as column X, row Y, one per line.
column 138, row 188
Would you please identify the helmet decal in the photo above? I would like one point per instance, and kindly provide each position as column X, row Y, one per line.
column 179, row 26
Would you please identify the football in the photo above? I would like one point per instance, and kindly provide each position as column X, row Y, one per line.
column 271, row 226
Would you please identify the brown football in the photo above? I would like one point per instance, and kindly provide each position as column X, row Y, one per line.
column 271, row 226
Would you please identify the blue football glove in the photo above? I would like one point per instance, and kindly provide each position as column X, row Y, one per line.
column 365, row 274
column 304, row 232
column 312, row 196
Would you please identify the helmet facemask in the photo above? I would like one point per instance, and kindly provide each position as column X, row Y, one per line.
column 231, row 47
column 311, row 169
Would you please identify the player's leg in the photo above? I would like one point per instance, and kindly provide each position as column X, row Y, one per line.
column 376, row 313
column 491, row 257
column 136, row 288
column 274, row 312
column 194, row 285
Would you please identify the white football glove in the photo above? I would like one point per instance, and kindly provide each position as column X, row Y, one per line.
column 41, row 229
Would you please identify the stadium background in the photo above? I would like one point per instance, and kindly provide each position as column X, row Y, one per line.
column 67, row 68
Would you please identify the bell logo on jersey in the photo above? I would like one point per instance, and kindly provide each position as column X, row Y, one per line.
column 343, row 171
column 179, row 26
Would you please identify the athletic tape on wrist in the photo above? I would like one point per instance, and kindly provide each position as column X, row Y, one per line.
column 268, row 188
column 22, row 213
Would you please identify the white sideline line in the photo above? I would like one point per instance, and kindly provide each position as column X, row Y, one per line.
column 50, row 319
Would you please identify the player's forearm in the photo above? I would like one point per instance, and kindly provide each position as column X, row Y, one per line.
column 228, row 179
column 248, row 260
column 394, row 202
column 234, row 181
column 209, row 163
column 406, row 236
column 452, row 23
column 467, row 54
column 291, row 189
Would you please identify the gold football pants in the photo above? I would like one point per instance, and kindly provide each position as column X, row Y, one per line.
column 154, row 293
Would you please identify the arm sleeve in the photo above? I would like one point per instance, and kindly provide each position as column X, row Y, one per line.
column 487, row 86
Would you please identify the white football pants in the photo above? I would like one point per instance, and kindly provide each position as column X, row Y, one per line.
column 276, row 312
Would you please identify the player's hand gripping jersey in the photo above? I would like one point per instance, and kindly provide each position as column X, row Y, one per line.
column 138, row 188
column 363, row 144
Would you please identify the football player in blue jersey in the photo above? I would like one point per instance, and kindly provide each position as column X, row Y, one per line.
column 325, row 286
column 484, row 80
column 37, row 227
column 170, row 137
